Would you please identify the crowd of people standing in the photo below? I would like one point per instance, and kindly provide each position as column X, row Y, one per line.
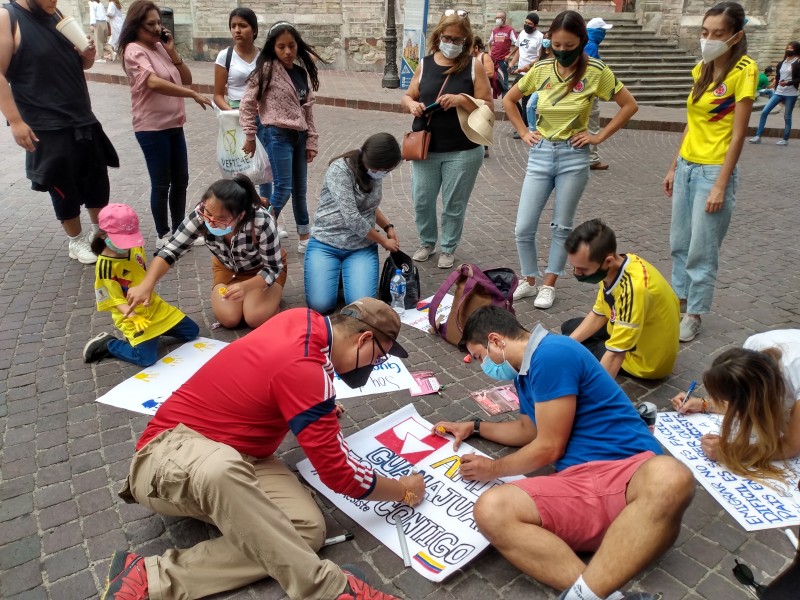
column 237, row 484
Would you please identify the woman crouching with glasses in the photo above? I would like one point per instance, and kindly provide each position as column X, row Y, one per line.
column 441, row 81
column 248, row 265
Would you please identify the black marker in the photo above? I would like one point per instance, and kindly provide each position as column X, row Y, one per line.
column 346, row 537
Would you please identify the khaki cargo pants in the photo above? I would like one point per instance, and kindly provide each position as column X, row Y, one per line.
column 270, row 524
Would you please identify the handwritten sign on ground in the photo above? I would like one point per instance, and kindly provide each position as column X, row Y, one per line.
column 419, row 318
column 389, row 376
column 145, row 391
column 754, row 505
column 441, row 533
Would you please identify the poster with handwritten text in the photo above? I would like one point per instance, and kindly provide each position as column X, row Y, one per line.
column 441, row 533
column 754, row 505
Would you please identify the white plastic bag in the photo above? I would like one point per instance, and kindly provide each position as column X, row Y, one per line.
column 231, row 159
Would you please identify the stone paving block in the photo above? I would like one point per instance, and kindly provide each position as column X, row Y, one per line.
column 58, row 514
column 77, row 587
column 62, row 537
column 15, row 506
column 52, row 494
column 19, row 552
column 715, row 586
column 65, row 563
column 20, row 578
column 38, row 593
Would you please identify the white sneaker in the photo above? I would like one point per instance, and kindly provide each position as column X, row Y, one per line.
column 201, row 241
column 754, row 140
column 545, row 297
column 282, row 233
column 100, row 60
column 525, row 290
column 446, row 260
column 162, row 241
column 781, row 143
column 423, row 253
column 302, row 245
column 81, row 251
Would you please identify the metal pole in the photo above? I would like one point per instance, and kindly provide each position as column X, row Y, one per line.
column 391, row 78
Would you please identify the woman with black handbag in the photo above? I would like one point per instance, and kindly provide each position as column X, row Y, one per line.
column 344, row 240
column 452, row 160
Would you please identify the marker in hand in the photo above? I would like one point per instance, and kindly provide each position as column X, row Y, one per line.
column 688, row 395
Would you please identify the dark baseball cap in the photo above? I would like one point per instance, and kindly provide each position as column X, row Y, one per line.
column 380, row 317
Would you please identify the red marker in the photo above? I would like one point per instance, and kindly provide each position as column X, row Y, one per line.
column 468, row 358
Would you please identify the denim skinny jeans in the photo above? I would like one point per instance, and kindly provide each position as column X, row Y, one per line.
column 789, row 102
column 264, row 189
column 551, row 166
column 146, row 353
column 287, row 155
column 168, row 166
column 695, row 235
column 323, row 266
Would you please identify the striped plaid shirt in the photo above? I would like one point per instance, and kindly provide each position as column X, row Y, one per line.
column 242, row 254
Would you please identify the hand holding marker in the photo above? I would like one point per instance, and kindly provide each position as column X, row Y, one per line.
column 688, row 395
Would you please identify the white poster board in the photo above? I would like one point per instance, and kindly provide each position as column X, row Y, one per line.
column 147, row 390
column 441, row 533
column 755, row 506
column 419, row 318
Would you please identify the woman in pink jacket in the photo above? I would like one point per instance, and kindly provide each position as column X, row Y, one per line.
column 282, row 92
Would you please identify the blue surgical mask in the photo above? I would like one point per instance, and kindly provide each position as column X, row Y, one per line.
column 545, row 43
column 377, row 175
column 451, row 51
column 502, row 372
column 113, row 248
column 219, row 232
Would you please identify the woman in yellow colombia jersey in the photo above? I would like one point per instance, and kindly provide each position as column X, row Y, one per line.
column 567, row 85
column 703, row 175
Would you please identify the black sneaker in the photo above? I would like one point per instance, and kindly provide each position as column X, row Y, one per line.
column 97, row 347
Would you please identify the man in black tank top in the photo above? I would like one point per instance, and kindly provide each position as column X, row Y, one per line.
column 45, row 99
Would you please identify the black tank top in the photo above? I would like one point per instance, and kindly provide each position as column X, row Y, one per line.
column 46, row 75
column 446, row 134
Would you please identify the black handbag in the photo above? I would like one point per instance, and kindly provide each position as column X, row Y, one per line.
column 402, row 261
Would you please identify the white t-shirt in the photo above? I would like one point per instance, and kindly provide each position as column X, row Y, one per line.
column 529, row 44
column 788, row 342
column 786, row 75
column 237, row 74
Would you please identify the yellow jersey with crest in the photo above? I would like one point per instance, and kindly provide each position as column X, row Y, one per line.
column 710, row 119
column 560, row 113
column 113, row 277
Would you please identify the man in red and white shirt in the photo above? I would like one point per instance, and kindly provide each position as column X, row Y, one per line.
column 501, row 43
column 208, row 453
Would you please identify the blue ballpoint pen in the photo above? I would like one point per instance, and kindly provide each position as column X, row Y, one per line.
column 688, row 395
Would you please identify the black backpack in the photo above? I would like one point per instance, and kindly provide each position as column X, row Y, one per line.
column 402, row 261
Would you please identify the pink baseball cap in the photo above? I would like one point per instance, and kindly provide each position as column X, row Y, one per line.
column 121, row 224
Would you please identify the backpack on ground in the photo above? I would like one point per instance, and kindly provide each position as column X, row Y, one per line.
column 400, row 260
column 474, row 289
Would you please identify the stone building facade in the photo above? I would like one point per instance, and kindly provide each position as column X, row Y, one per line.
column 348, row 34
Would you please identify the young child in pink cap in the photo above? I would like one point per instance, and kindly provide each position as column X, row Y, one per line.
column 122, row 263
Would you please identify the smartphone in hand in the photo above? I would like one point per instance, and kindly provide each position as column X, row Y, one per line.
column 430, row 108
column 164, row 35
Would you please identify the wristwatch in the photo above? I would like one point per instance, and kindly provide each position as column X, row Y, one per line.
column 388, row 227
column 476, row 427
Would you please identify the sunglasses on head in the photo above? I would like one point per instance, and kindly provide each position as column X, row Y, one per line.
column 451, row 11
column 744, row 575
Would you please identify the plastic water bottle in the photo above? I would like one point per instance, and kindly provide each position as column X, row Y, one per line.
column 397, row 286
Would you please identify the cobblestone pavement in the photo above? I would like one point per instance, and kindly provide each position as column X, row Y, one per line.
column 63, row 455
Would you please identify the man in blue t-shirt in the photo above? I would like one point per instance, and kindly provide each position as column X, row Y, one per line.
column 613, row 492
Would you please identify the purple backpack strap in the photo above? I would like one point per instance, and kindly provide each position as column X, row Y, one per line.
column 440, row 294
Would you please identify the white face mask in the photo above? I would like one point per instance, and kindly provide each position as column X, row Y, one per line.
column 713, row 49
column 450, row 51
column 498, row 22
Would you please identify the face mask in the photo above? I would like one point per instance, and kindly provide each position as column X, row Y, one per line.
column 113, row 248
column 545, row 43
column 789, row 53
column 498, row 22
column 528, row 28
column 219, row 232
column 595, row 277
column 502, row 372
column 566, row 57
column 359, row 376
column 377, row 175
column 713, row 49
column 450, row 51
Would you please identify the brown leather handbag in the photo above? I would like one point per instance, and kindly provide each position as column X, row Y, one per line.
column 415, row 143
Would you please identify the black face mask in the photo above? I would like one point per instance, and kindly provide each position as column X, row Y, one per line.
column 528, row 28
column 789, row 53
column 566, row 57
column 595, row 277
column 359, row 376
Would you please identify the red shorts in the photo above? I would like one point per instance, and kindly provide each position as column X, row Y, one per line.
column 579, row 503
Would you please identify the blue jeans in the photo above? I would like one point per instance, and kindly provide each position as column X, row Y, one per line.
column 168, row 166
column 322, row 267
column 789, row 102
column 502, row 66
column 695, row 235
column 146, row 353
column 287, row 155
column 265, row 189
column 530, row 110
column 551, row 165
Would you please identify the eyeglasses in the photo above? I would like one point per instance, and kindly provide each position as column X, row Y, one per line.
column 211, row 219
column 449, row 39
column 744, row 575
column 451, row 11
column 384, row 356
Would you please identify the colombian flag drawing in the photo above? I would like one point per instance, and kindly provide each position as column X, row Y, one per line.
column 428, row 563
